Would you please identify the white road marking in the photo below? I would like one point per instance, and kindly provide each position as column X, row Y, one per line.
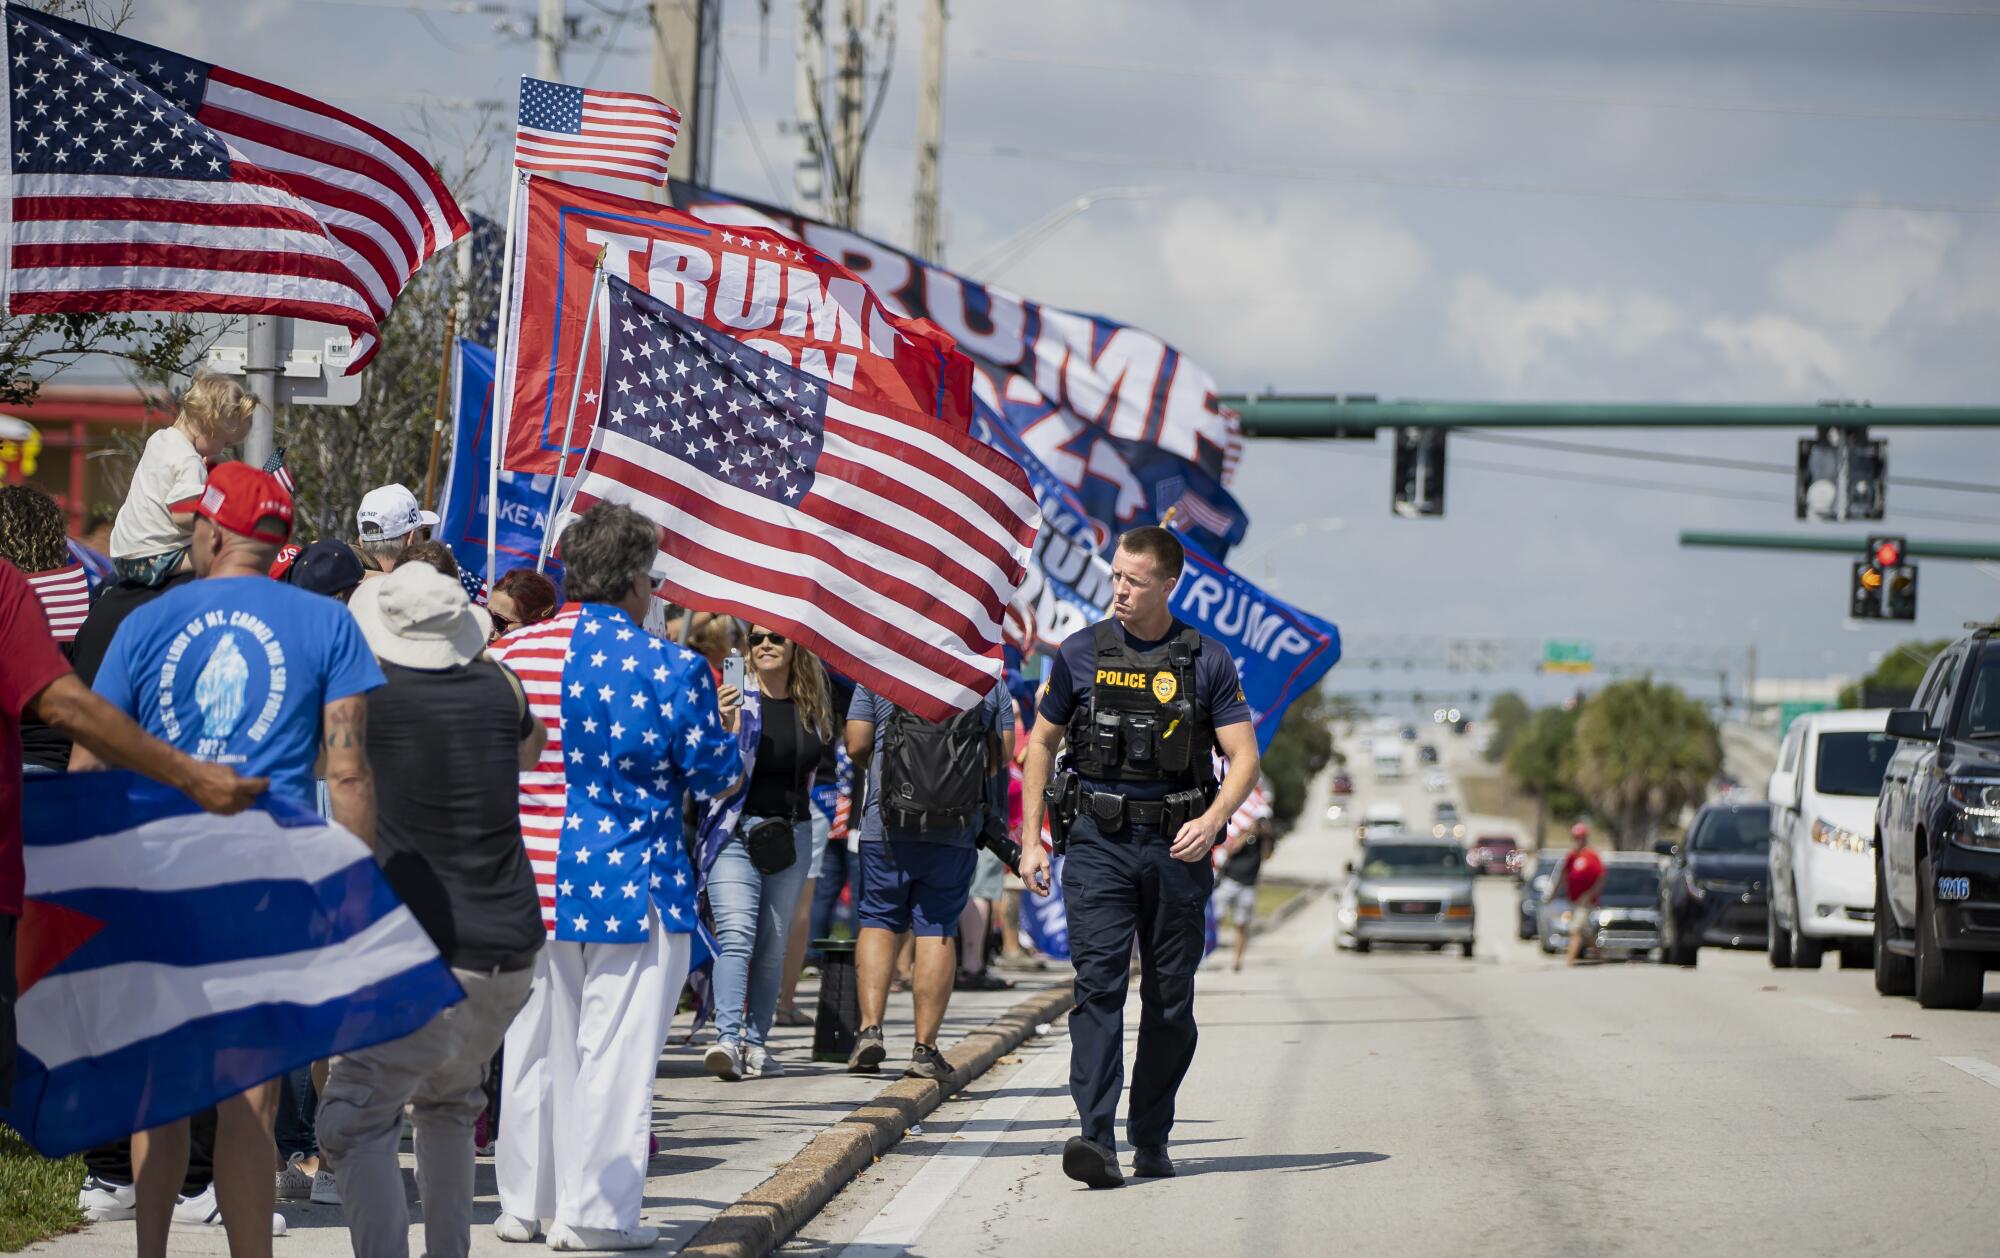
column 1984, row 1071
column 1823, row 1005
column 898, row 1225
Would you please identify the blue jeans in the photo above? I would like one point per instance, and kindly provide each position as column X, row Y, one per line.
column 297, row 1128
column 753, row 918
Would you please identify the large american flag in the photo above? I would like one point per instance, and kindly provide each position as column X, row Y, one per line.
column 588, row 132
column 887, row 542
column 146, row 180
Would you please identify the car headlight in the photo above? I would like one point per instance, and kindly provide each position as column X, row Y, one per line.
column 1978, row 804
column 1838, row 839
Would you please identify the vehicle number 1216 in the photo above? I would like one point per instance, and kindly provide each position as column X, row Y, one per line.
column 1954, row 888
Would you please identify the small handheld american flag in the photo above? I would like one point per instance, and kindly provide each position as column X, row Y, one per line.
column 587, row 132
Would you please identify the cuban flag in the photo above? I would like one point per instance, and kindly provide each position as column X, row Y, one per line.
column 169, row 958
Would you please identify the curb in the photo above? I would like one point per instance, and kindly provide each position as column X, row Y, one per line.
column 766, row 1216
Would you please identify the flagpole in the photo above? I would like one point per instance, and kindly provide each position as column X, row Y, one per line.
column 437, row 415
column 575, row 392
column 502, row 380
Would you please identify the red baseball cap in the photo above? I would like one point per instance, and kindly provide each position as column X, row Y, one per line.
column 237, row 497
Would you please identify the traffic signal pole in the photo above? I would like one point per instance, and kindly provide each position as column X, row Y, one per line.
column 1849, row 546
column 1347, row 415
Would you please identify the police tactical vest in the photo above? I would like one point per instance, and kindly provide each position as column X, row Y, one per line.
column 1145, row 721
column 933, row 773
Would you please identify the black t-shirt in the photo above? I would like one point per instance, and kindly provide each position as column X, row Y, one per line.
column 42, row 744
column 1246, row 864
column 788, row 750
column 1074, row 670
column 445, row 750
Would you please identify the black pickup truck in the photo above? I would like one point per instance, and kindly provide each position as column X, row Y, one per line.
column 1937, row 833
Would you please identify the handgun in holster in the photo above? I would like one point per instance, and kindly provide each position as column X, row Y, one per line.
column 1059, row 800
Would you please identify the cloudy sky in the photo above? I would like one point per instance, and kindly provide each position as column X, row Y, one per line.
column 1627, row 200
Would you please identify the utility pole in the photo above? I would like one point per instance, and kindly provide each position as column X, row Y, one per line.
column 551, row 33
column 929, row 235
column 260, row 377
column 810, row 168
column 850, row 103
column 685, row 35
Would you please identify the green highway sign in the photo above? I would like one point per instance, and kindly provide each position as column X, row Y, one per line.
column 1560, row 656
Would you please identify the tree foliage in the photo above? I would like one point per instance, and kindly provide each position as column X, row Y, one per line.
column 1538, row 759
column 1641, row 751
column 1302, row 747
column 1507, row 717
column 1897, row 674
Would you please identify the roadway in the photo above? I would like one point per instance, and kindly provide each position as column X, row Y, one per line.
column 1415, row 1103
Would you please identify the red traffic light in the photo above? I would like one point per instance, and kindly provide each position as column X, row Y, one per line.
column 1887, row 554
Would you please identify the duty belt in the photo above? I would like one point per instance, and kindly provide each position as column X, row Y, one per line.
column 1114, row 812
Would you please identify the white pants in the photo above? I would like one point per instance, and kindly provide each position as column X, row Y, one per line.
column 580, row 1061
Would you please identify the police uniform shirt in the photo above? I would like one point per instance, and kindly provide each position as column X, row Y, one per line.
column 1074, row 672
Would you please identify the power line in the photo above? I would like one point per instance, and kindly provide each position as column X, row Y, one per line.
column 1415, row 88
column 1693, row 460
column 1838, row 6
column 1461, row 183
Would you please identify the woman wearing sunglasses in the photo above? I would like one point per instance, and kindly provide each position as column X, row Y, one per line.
column 757, row 847
column 522, row 597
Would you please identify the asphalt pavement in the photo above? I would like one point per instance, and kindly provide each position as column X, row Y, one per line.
column 1414, row 1103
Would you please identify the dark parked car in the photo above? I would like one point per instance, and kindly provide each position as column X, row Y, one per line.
column 1937, row 833
column 1712, row 890
column 1427, row 754
column 1627, row 916
column 1533, row 887
column 1494, row 854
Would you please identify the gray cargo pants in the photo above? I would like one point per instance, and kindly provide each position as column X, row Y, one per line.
column 438, row 1071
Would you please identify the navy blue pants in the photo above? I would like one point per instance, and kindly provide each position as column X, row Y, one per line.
column 1116, row 885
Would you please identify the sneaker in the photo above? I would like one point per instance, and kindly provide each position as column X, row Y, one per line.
column 294, row 1182
column 515, row 1230
column 759, row 1062
column 572, row 1239
column 199, row 1210
column 725, row 1061
column 868, row 1052
column 927, row 1063
column 105, row 1202
column 1091, row 1164
column 325, row 1190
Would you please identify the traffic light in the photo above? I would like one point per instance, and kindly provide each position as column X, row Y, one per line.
column 1883, row 586
column 1899, row 597
column 1418, row 487
column 1843, row 475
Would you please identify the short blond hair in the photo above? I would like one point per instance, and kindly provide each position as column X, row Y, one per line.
column 216, row 406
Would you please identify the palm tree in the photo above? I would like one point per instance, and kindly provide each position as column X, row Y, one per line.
column 1642, row 752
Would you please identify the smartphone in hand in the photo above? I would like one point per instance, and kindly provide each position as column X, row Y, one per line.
column 732, row 670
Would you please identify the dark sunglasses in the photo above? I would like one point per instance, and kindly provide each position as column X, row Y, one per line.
column 501, row 624
column 759, row 639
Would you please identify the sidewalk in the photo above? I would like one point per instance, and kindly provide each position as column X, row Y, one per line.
column 717, row 1140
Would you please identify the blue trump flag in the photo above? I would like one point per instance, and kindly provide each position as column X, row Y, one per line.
column 524, row 498
column 1280, row 651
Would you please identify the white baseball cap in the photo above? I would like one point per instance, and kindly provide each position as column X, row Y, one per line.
column 420, row 618
column 391, row 512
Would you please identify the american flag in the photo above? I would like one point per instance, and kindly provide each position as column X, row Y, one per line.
column 885, row 541
column 65, row 596
column 275, row 465
column 632, row 724
column 588, row 132
column 146, row 180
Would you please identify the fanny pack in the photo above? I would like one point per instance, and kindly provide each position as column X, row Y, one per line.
column 770, row 846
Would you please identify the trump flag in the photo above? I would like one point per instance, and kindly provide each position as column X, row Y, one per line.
column 168, row 958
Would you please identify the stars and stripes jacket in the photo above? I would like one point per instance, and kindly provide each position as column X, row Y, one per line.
column 632, row 725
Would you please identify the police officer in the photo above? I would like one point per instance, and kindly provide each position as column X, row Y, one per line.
column 1142, row 700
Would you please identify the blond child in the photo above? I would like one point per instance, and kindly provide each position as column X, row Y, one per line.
column 149, row 540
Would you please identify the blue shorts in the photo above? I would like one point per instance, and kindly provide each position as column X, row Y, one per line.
column 907, row 884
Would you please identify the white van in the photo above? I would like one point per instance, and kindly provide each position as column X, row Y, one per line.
column 1388, row 759
column 1382, row 818
column 1822, row 836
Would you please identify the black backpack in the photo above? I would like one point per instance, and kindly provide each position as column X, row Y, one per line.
column 933, row 773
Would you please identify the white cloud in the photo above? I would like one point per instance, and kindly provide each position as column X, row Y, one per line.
column 1863, row 275
column 1776, row 354
column 1557, row 335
